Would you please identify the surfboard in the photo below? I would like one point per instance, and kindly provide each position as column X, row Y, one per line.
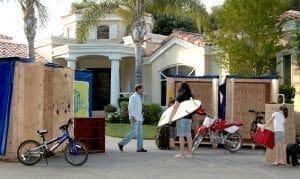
column 185, row 108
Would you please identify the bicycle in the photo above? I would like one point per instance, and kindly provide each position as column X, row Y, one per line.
column 30, row 151
column 259, row 119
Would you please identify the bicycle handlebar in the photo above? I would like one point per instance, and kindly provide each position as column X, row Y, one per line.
column 65, row 127
column 256, row 112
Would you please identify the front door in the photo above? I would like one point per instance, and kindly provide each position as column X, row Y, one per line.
column 101, row 88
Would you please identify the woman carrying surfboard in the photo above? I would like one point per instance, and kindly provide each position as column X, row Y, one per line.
column 184, row 124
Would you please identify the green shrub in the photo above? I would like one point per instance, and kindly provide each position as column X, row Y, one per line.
column 289, row 93
column 151, row 113
column 124, row 111
column 113, row 117
column 110, row 109
column 122, row 99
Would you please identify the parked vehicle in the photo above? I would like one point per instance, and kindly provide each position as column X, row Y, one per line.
column 30, row 151
column 218, row 131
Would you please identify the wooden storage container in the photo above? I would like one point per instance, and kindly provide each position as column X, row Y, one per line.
column 42, row 99
column 244, row 94
column 204, row 89
column 91, row 131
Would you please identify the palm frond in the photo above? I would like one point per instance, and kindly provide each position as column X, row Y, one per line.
column 42, row 12
column 91, row 16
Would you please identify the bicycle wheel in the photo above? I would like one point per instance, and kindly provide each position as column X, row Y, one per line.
column 253, row 128
column 76, row 153
column 29, row 153
column 196, row 141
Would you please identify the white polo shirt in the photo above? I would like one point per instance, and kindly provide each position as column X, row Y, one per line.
column 135, row 107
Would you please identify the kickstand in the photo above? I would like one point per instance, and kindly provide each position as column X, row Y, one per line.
column 265, row 150
column 46, row 160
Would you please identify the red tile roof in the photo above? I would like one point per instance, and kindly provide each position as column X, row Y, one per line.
column 9, row 49
column 193, row 38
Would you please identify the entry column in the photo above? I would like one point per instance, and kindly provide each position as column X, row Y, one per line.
column 72, row 62
column 115, row 81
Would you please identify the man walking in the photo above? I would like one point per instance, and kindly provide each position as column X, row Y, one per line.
column 136, row 120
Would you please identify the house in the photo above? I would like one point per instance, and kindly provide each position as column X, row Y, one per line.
column 288, row 67
column 110, row 56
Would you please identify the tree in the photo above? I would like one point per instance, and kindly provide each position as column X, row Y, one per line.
column 166, row 25
column 29, row 8
column 133, row 11
column 294, row 5
column 181, row 10
column 248, row 36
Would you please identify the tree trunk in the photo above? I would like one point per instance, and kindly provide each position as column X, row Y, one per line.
column 138, row 63
column 138, row 37
column 30, row 26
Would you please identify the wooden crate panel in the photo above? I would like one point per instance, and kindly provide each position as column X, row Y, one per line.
column 34, row 105
column 245, row 94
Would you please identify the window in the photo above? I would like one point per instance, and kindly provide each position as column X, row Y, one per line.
column 103, row 32
column 176, row 70
column 287, row 69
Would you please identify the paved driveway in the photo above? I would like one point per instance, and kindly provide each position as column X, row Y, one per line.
column 155, row 164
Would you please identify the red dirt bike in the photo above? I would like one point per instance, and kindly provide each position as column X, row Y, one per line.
column 219, row 131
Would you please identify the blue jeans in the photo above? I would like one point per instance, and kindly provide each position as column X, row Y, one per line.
column 135, row 130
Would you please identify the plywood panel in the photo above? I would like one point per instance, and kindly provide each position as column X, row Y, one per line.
column 245, row 94
column 48, row 101
column 202, row 89
column 42, row 99
column 62, row 98
column 33, row 101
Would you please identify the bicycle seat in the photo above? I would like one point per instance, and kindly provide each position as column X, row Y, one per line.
column 42, row 131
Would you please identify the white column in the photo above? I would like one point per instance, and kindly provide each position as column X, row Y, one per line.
column 115, row 81
column 72, row 63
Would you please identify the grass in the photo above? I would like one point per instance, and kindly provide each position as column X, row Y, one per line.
column 120, row 130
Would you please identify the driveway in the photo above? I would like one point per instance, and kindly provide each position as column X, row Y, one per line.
column 155, row 164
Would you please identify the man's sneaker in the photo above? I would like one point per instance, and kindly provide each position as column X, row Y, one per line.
column 120, row 147
column 142, row 150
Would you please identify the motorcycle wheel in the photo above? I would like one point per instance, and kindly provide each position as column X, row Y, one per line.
column 196, row 141
column 234, row 142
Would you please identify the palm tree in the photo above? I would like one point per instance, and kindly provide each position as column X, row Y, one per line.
column 132, row 11
column 29, row 8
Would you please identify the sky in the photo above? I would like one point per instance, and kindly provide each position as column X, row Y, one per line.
column 12, row 23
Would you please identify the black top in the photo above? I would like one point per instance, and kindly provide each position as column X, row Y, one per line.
column 183, row 97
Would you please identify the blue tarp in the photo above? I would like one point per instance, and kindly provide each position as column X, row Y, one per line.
column 87, row 76
column 7, row 68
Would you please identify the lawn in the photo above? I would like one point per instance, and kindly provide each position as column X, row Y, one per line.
column 120, row 130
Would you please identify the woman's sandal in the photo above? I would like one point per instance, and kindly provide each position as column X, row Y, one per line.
column 189, row 156
column 275, row 164
column 179, row 156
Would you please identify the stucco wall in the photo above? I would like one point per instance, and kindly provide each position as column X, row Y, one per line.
column 296, row 84
column 45, row 52
column 127, row 75
column 176, row 54
column 148, row 87
column 93, row 62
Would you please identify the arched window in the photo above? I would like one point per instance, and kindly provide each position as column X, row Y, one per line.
column 103, row 32
column 176, row 70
